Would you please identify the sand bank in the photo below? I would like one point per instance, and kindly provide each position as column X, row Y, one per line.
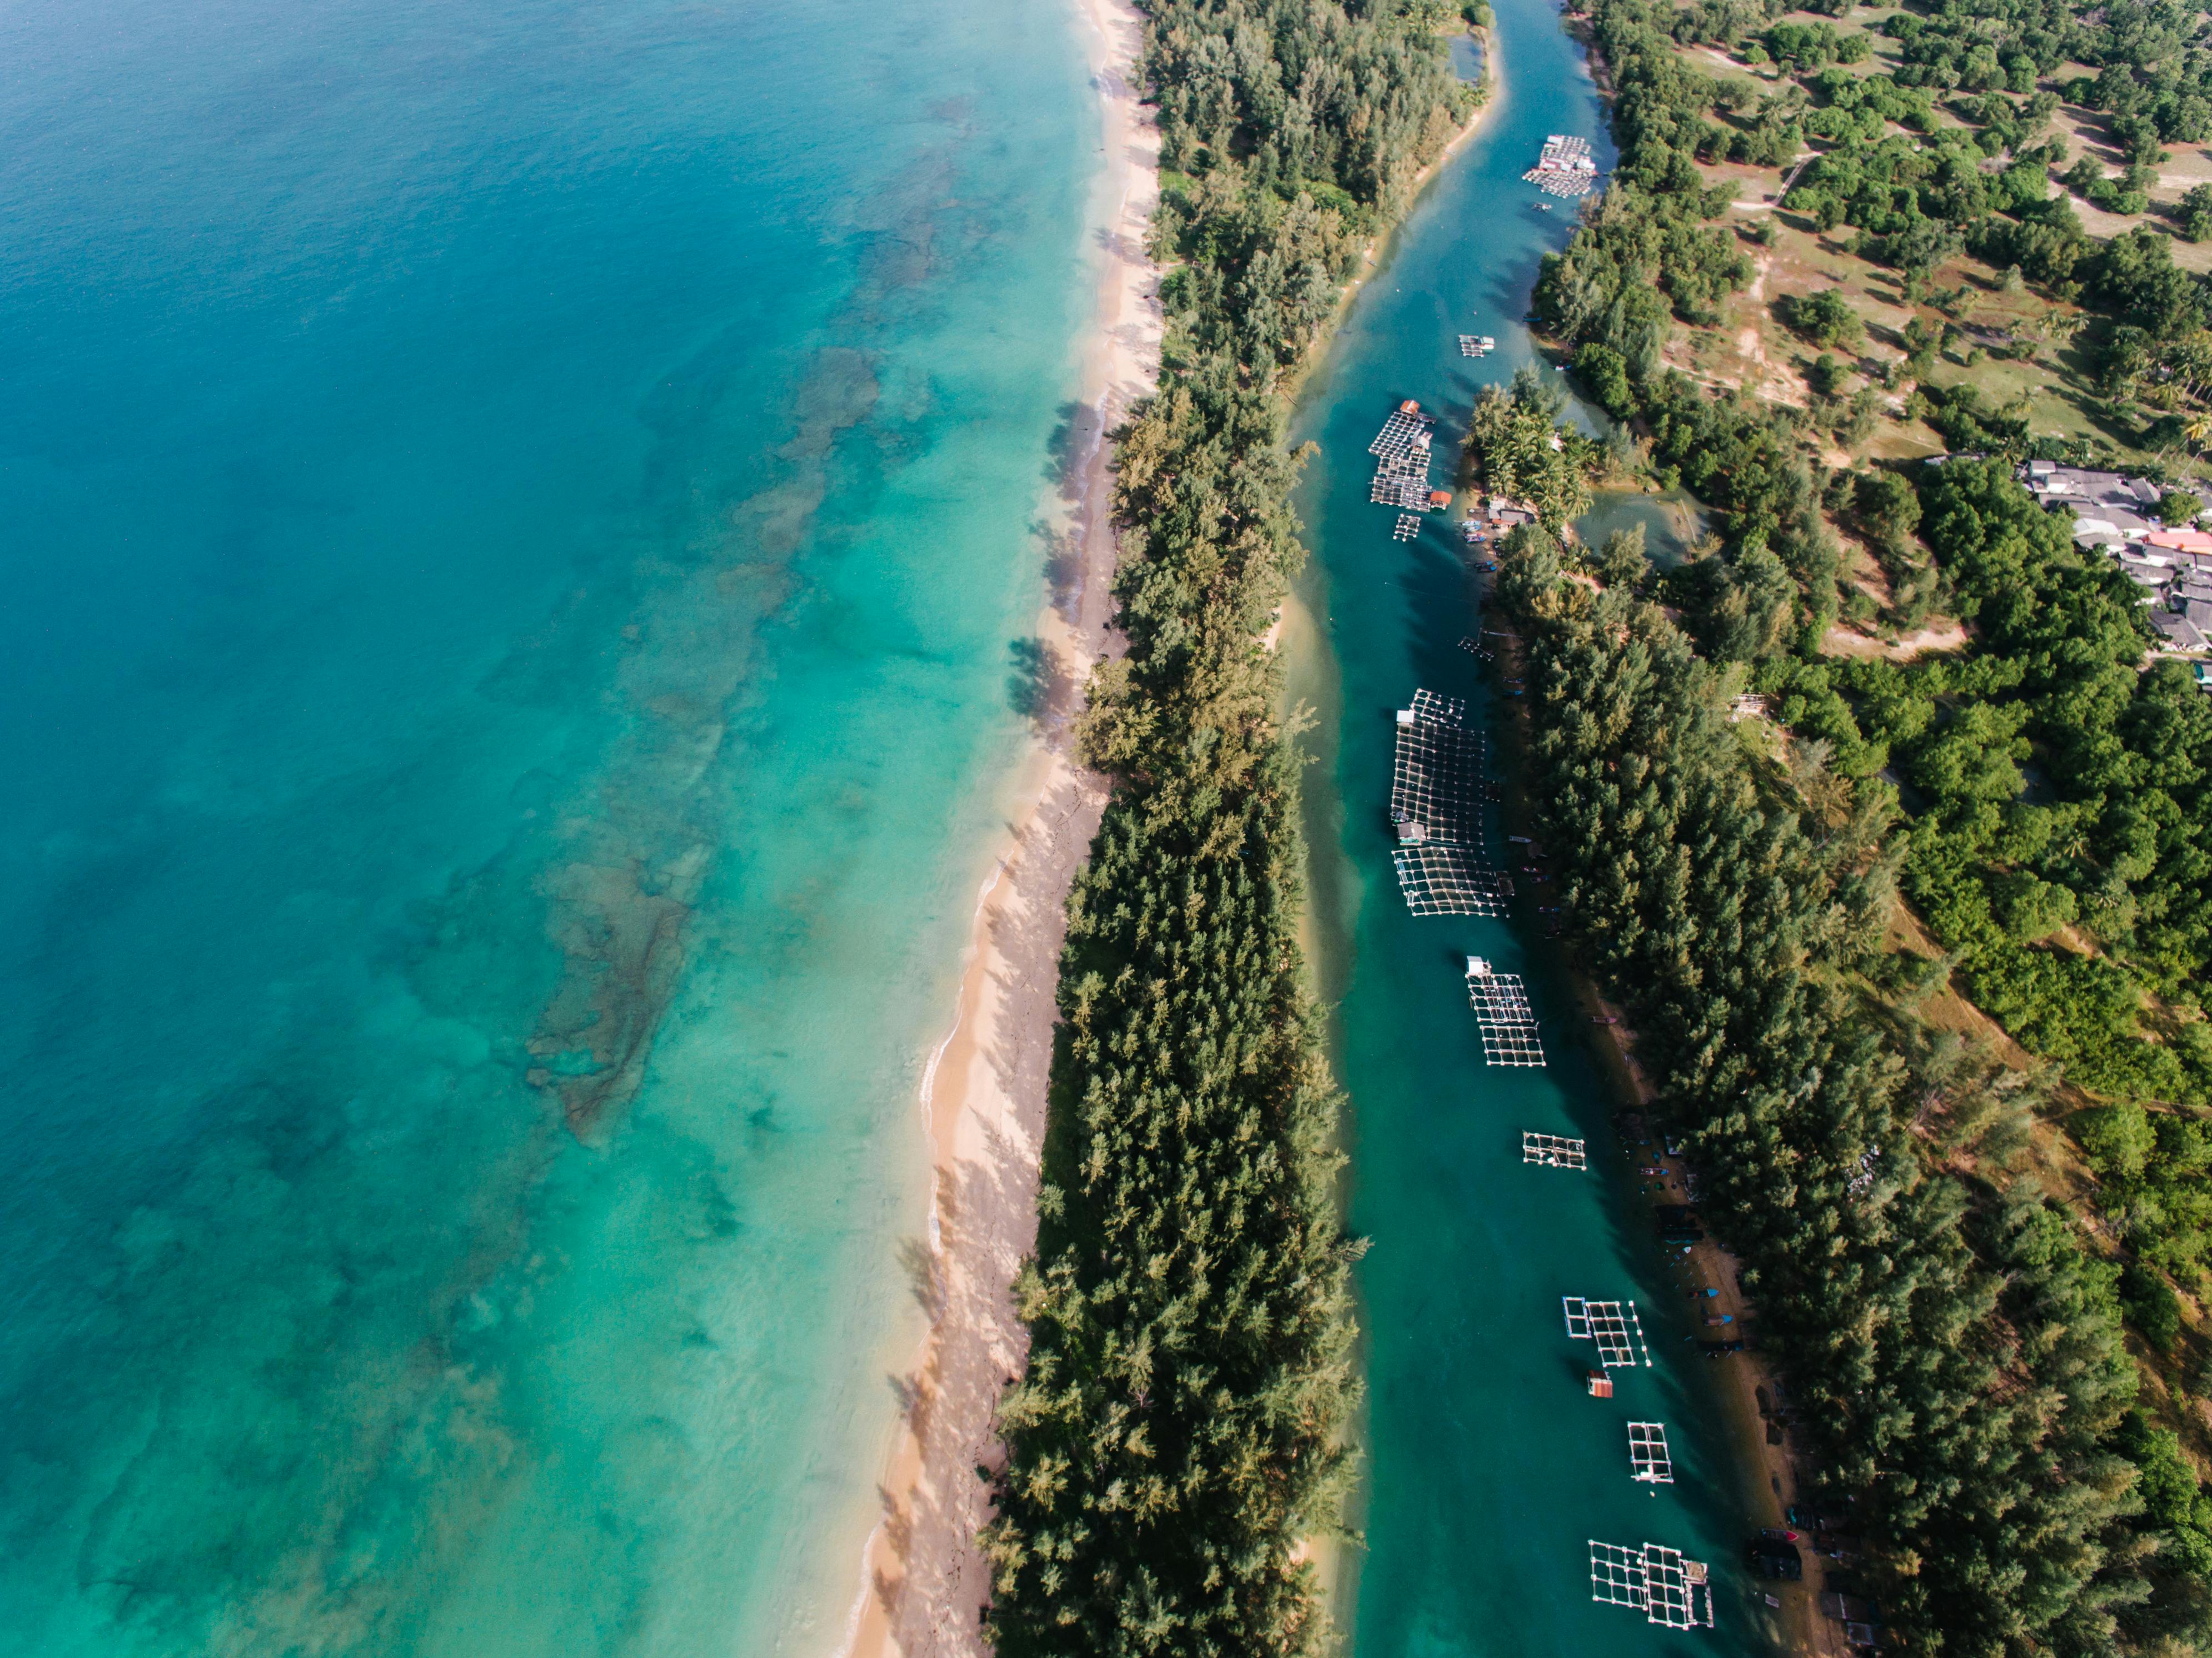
column 983, row 1095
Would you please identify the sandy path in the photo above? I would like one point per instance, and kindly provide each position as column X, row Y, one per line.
column 923, row 1582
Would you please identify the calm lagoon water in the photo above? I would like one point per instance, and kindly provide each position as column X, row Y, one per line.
column 519, row 516
column 1672, row 524
column 1490, row 1469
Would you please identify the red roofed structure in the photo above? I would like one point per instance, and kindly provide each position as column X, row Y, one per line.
column 2181, row 540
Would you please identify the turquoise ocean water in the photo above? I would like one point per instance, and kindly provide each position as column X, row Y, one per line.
column 1490, row 1468
column 519, row 518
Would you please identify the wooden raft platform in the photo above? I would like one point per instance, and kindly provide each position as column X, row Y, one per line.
column 1553, row 1150
column 1648, row 1457
column 1613, row 1325
column 1564, row 168
column 1502, row 1008
column 1669, row 1590
column 1438, row 789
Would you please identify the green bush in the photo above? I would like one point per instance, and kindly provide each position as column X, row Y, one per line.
column 2194, row 213
column 2118, row 1138
column 2031, row 909
column 1604, row 374
column 1826, row 317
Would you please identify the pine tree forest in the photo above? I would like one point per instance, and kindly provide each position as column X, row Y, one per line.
column 1969, row 1340
column 1956, row 1353
column 1180, row 1425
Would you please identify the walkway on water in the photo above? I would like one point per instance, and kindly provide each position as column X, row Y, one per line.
column 1492, row 1468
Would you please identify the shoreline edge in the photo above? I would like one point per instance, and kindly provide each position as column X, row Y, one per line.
column 982, row 1097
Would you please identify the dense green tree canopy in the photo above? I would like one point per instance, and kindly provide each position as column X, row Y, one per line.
column 1180, row 1428
column 1955, row 1353
column 2056, row 832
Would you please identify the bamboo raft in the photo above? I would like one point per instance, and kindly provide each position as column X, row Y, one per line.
column 1613, row 1325
column 1553, row 1150
column 1648, row 1459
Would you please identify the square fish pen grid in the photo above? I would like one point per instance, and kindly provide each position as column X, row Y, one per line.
column 1553, row 1150
column 1680, row 1590
column 1656, row 1580
column 1648, row 1460
column 1447, row 880
column 1399, row 433
column 1618, row 1577
column 1473, row 647
column 1402, row 481
column 1565, row 167
column 1613, row 1325
column 1409, row 525
column 1435, row 777
column 1510, row 1035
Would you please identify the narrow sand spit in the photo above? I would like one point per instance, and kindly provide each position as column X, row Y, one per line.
column 982, row 1096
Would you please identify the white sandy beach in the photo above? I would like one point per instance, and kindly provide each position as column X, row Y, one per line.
column 983, row 1095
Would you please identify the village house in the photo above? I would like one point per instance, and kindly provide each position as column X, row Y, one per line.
column 2170, row 565
column 2109, row 508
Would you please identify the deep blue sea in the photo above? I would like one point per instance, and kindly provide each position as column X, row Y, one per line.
column 518, row 524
